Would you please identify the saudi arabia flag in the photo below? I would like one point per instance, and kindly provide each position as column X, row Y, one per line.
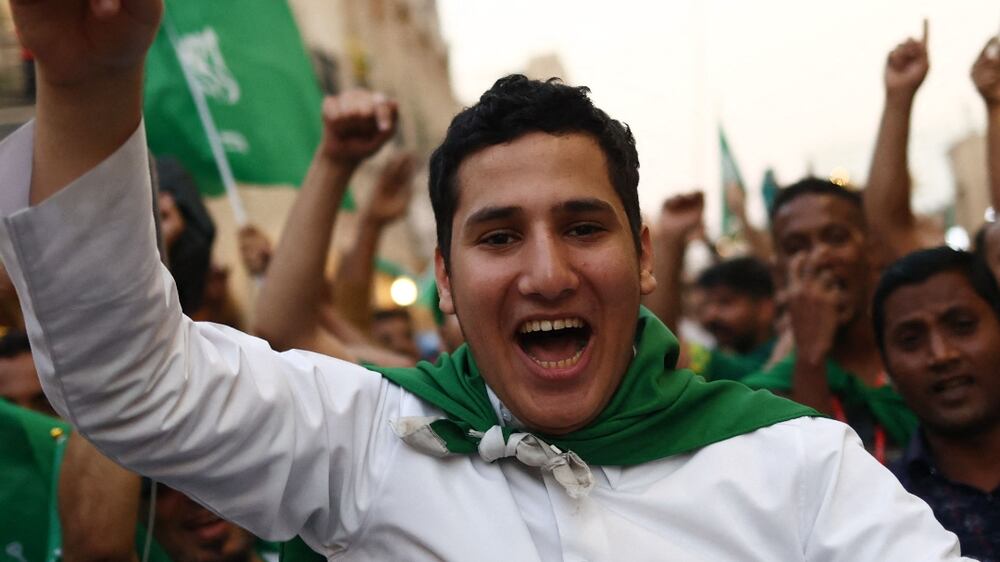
column 730, row 178
column 248, row 59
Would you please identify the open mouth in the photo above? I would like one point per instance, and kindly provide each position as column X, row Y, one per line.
column 953, row 384
column 554, row 344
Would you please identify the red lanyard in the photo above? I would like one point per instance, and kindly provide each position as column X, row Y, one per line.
column 841, row 416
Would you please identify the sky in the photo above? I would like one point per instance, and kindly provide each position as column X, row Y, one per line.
column 796, row 84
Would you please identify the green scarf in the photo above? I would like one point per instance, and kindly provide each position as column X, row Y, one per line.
column 30, row 454
column 884, row 403
column 656, row 412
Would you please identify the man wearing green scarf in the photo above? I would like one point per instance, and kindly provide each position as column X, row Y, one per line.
column 823, row 253
column 562, row 432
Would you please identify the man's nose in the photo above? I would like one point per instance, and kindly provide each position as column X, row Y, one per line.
column 821, row 255
column 944, row 354
column 549, row 272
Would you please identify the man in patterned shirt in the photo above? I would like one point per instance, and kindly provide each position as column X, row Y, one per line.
column 937, row 321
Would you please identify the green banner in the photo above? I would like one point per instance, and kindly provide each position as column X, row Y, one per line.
column 248, row 59
column 769, row 189
column 730, row 176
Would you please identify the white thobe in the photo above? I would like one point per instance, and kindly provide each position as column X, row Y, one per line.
column 299, row 443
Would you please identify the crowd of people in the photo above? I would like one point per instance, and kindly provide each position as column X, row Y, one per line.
column 841, row 407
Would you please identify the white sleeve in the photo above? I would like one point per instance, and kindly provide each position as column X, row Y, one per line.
column 854, row 509
column 271, row 441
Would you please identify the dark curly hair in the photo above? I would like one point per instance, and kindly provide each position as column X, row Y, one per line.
column 516, row 106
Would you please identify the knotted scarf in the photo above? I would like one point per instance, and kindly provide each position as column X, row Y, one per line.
column 656, row 412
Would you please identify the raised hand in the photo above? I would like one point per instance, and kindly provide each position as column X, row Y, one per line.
column 76, row 41
column 907, row 66
column 255, row 250
column 356, row 124
column 986, row 72
column 393, row 188
column 811, row 298
column 682, row 217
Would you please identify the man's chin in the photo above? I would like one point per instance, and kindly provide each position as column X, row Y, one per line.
column 556, row 416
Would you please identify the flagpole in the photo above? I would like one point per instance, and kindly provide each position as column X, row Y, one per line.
column 211, row 130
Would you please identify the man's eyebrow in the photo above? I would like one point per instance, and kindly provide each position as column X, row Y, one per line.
column 487, row 214
column 585, row 205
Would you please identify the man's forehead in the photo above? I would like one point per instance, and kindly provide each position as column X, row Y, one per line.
column 935, row 295
column 813, row 210
column 537, row 172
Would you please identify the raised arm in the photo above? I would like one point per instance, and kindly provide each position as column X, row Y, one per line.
column 680, row 221
column 356, row 125
column 811, row 298
column 986, row 76
column 389, row 202
column 203, row 408
column 887, row 197
column 89, row 56
column 98, row 506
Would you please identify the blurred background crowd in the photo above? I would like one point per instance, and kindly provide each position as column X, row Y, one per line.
column 766, row 282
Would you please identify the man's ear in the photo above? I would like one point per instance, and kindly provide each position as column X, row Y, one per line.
column 647, row 283
column 445, row 303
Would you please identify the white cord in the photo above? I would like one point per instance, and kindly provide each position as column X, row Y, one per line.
column 150, row 519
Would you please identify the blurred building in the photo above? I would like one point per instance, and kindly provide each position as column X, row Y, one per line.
column 543, row 67
column 394, row 46
column 12, row 85
column 972, row 192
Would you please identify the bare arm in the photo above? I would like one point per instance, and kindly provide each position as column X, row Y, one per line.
column 986, row 76
column 98, row 506
column 680, row 221
column 887, row 197
column 355, row 279
column 812, row 307
column 356, row 124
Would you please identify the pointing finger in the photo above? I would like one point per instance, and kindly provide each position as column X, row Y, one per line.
column 385, row 112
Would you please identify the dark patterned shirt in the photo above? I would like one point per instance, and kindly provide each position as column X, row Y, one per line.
column 968, row 512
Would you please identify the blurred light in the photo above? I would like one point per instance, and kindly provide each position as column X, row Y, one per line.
column 840, row 176
column 990, row 215
column 403, row 291
column 957, row 238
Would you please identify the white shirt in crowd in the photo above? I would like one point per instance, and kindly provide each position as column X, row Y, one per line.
column 299, row 443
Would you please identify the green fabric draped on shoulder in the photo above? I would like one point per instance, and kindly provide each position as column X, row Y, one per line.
column 28, row 469
column 657, row 411
column 884, row 403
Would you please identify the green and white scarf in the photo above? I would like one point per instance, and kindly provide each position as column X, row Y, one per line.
column 657, row 412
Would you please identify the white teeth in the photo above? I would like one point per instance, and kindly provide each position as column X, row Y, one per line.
column 562, row 363
column 549, row 325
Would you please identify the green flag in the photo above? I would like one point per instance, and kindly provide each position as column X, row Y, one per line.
column 769, row 189
column 730, row 176
column 30, row 454
column 248, row 59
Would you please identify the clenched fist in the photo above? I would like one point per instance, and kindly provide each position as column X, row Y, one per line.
column 356, row 124
column 907, row 66
column 986, row 73
column 76, row 41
